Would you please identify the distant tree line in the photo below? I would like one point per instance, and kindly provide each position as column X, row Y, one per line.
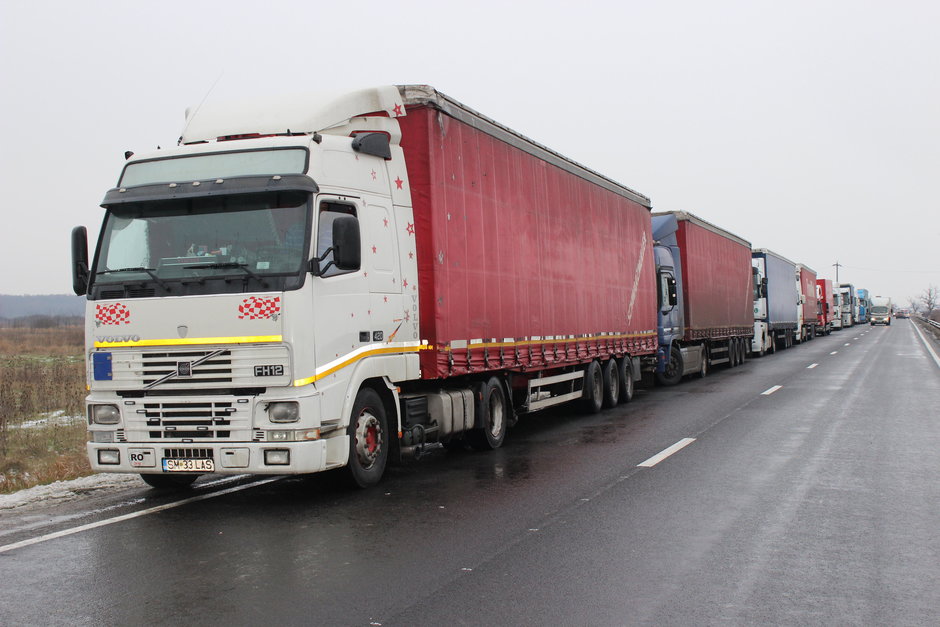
column 41, row 322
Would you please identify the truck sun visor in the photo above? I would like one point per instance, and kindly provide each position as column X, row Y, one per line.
column 217, row 187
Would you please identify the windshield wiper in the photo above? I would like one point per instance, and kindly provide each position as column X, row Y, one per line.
column 149, row 271
column 229, row 264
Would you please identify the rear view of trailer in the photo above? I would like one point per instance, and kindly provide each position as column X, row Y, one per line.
column 526, row 260
column 808, row 302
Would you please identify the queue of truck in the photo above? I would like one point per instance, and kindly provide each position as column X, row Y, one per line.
column 344, row 282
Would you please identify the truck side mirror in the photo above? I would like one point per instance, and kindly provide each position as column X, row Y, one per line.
column 763, row 287
column 80, row 260
column 346, row 246
column 673, row 291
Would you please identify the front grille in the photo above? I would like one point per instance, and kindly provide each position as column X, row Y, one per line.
column 187, row 453
column 189, row 420
column 216, row 370
column 235, row 368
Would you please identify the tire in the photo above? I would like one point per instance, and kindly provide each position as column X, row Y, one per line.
column 733, row 357
column 169, row 482
column 611, row 383
column 703, row 370
column 773, row 344
column 625, row 375
column 491, row 407
column 368, row 440
column 673, row 372
column 593, row 395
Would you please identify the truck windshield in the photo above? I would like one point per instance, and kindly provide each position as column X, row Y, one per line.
column 249, row 237
column 880, row 311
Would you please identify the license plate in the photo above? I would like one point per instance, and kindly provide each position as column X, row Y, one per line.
column 188, row 465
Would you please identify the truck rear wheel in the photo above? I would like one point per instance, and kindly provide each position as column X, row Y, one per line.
column 368, row 439
column 169, row 481
column 492, row 409
column 611, row 384
column 703, row 368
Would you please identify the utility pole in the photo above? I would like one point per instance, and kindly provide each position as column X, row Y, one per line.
column 837, row 266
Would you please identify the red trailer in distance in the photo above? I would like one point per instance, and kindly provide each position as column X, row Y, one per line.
column 806, row 277
column 825, row 306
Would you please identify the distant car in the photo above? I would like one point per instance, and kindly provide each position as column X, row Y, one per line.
column 902, row 313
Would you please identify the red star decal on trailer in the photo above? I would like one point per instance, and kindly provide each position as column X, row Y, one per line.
column 385, row 221
column 398, row 182
column 404, row 283
column 386, row 299
column 397, row 110
column 410, row 229
column 373, row 174
column 411, row 255
column 374, row 250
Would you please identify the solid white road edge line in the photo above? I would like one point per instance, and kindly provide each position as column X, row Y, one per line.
column 771, row 390
column 927, row 345
column 655, row 459
column 143, row 512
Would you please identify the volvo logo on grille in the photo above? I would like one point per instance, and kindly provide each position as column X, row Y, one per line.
column 184, row 368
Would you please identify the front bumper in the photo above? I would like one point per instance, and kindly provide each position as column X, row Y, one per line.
column 230, row 458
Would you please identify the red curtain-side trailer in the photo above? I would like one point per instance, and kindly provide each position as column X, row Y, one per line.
column 526, row 260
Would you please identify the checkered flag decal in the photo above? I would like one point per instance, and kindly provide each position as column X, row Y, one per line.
column 113, row 314
column 256, row 308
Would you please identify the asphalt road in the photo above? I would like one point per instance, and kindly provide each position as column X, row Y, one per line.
column 815, row 502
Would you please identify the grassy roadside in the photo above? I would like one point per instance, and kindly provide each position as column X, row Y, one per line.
column 42, row 390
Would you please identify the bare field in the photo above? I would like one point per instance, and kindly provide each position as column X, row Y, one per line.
column 42, row 390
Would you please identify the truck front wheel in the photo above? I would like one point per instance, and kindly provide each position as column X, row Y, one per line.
column 368, row 439
column 672, row 374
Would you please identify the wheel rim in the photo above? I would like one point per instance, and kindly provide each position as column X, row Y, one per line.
column 368, row 438
column 496, row 414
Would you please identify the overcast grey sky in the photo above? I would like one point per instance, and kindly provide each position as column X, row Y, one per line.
column 810, row 128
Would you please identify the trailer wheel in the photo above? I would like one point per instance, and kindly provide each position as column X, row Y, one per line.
column 169, row 482
column 744, row 345
column 611, row 383
column 733, row 359
column 593, row 392
column 368, row 439
column 673, row 371
column 625, row 376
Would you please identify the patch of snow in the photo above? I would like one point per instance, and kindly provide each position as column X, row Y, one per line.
column 57, row 418
column 67, row 490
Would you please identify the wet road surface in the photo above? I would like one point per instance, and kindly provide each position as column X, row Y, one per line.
column 813, row 502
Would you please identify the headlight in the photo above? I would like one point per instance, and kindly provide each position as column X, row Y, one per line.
column 276, row 457
column 105, row 414
column 293, row 436
column 109, row 457
column 284, row 412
